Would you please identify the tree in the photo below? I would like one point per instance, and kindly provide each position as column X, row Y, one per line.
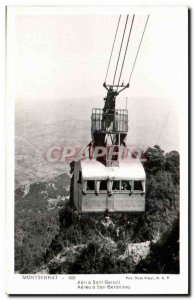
column 172, row 165
column 155, row 160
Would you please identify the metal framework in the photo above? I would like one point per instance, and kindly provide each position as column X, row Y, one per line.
column 109, row 121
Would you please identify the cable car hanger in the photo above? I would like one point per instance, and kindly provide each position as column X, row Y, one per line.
column 117, row 86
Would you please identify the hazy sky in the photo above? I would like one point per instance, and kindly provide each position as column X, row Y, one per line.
column 67, row 56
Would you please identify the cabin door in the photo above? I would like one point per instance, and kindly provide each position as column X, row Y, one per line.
column 110, row 202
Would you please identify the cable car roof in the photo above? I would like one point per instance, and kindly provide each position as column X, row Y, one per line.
column 128, row 169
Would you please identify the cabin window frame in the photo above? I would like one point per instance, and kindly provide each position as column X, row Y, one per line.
column 85, row 186
column 133, row 191
column 109, row 187
column 96, row 189
column 103, row 191
column 139, row 191
column 116, row 191
column 126, row 191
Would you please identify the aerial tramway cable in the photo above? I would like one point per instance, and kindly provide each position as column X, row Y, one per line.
column 113, row 47
column 163, row 125
column 120, row 49
column 138, row 49
column 121, row 46
column 126, row 49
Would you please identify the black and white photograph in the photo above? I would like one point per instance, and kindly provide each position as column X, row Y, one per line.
column 98, row 114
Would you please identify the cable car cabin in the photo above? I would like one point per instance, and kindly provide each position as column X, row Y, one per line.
column 116, row 184
column 98, row 188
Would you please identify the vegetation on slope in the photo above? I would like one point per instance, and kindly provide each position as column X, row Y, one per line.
column 36, row 222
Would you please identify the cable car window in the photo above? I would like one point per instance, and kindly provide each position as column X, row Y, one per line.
column 125, row 185
column 116, row 186
column 90, row 185
column 138, row 185
column 103, row 185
